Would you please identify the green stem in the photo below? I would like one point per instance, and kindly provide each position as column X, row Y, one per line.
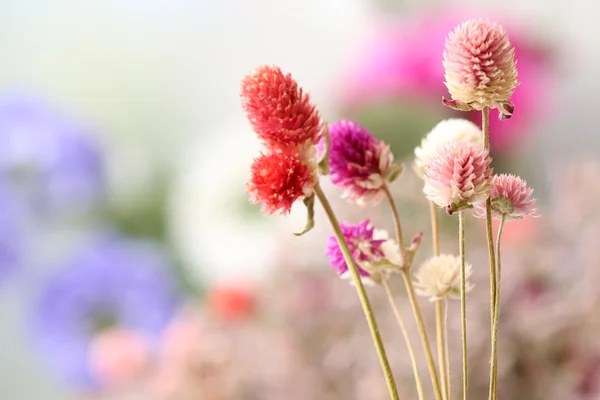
column 411, row 351
column 439, row 325
column 485, row 127
column 362, row 295
column 494, row 367
column 413, row 297
column 439, row 321
column 446, row 351
column 463, row 301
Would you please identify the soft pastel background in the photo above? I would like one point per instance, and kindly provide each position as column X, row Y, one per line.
column 132, row 265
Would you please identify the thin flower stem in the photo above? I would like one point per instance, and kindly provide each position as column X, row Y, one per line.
column 435, row 231
column 440, row 346
column 446, row 351
column 485, row 127
column 439, row 324
column 362, row 295
column 413, row 297
column 411, row 351
column 463, row 301
column 494, row 368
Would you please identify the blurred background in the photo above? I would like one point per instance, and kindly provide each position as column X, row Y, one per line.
column 133, row 267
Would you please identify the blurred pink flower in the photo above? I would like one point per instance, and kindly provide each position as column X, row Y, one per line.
column 118, row 356
column 403, row 59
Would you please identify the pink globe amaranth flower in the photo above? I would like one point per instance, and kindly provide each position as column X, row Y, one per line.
column 363, row 243
column 279, row 111
column 458, row 177
column 401, row 60
column 278, row 179
column 510, row 196
column 358, row 162
column 480, row 67
column 119, row 356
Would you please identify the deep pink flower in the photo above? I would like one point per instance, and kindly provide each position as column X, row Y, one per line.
column 511, row 196
column 364, row 243
column 458, row 177
column 359, row 163
column 402, row 61
column 279, row 178
column 279, row 110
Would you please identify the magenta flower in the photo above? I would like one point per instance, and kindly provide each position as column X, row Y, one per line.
column 480, row 67
column 366, row 245
column 511, row 197
column 359, row 163
column 402, row 61
column 458, row 177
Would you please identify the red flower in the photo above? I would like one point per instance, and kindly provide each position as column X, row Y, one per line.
column 279, row 178
column 279, row 111
column 232, row 302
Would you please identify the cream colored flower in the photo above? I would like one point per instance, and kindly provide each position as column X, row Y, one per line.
column 448, row 130
column 439, row 277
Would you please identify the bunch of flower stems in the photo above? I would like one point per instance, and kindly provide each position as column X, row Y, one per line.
column 453, row 161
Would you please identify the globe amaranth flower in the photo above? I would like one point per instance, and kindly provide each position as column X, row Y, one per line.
column 511, row 197
column 448, row 130
column 358, row 162
column 111, row 284
column 480, row 67
column 366, row 244
column 279, row 111
column 279, row 178
column 458, row 177
column 50, row 160
column 439, row 277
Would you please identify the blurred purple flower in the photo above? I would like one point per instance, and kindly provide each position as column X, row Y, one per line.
column 111, row 283
column 405, row 61
column 49, row 159
column 11, row 235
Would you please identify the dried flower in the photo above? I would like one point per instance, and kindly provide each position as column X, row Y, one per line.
column 366, row 244
column 278, row 109
column 279, row 178
column 359, row 162
column 480, row 67
column 448, row 130
column 511, row 197
column 458, row 177
column 439, row 277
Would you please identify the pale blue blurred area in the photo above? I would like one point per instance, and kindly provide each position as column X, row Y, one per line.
column 154, row 76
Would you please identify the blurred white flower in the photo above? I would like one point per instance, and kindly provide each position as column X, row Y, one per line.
column 218, row 233
column 439, row 277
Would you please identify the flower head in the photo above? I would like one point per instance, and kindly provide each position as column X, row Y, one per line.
column 459, row 176
column 480, row 66
column 278, row 109
column 449, row 130
column 113, row 283
column 439, row 277
column 366, row 244
column 358, row 162
column 511, row 197
column 50, row 160
column 279, row 178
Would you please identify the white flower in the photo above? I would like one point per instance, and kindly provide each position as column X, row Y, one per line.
column 213, row 226
column 448, row 130
column 439, row 277
column 390, row 249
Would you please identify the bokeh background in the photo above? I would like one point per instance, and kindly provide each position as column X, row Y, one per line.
column 132, row 265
